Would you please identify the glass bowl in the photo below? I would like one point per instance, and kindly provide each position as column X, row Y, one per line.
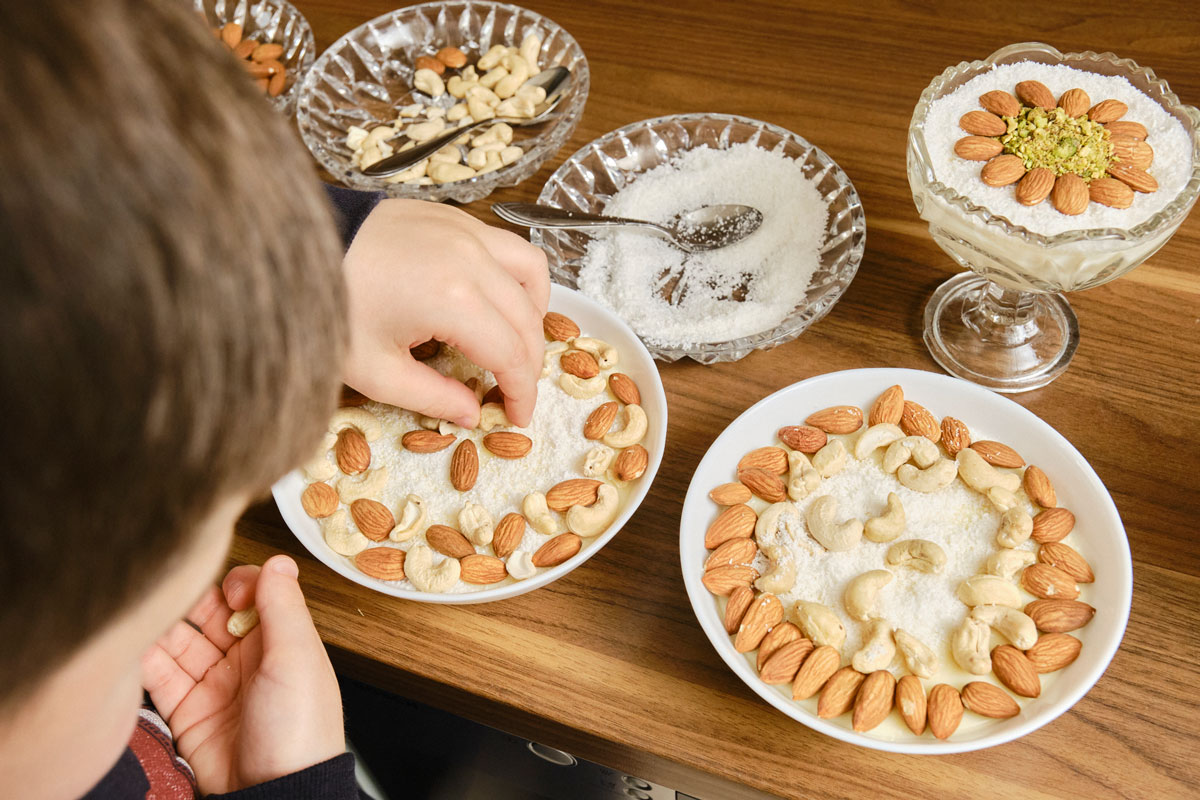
column 1007, row 326
column 270, row 21
column 588, row 180
column 365, row 77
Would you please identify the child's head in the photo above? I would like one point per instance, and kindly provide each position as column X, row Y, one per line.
column 172, row 315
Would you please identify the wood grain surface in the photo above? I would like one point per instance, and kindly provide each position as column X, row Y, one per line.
column 609, row 662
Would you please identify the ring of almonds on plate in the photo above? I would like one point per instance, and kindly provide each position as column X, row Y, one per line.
column 406, row 497
column 886, row 561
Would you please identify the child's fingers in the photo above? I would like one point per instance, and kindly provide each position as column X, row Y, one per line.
column 166, row 681
column 287, row 627
column 211, row 614
column 190, row 649
column 522, row 260
column 238, row 586
column 398, row 379
column 492, row 342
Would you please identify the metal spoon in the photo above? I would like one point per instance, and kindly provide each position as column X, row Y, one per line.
column 704, row 228
column 555, row 80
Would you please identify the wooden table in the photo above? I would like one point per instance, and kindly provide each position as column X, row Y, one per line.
column 609, row 663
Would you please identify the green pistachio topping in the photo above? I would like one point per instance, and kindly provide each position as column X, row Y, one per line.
column 1062, row 143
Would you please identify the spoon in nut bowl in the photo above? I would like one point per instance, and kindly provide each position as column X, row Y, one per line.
column 555, row 80
column 694, row 231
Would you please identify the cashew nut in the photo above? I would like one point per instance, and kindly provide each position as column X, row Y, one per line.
column 635, row 428
column 598, row 460
column 862, row 593
column 802, row 478
column 550, row 357
column 538, row 513
column 921, row 450
column 429, row 82
column 875, row 437
column 511, row 154
column 478, row 110
column 365, row 484
column 492, row 77
column 833, row 536
column 445, row 427
column 242, row 622
column 778, row 524
column 971, row 646
column 492, row 415
column 483, row 94
column 428, row 423
column 920, row 554
column 520, row 566
column 581, row 388
column 830, row 459
column 492, row 57
column 412, row 519
column 819, row 623
column 531, row 45
column 890, row 524
column 520, row 105
column 1016, row 526
column 588, row 521
column 981, row 476
column 319, row 467
column 1011, row 623
column 419, row 568
column 987, row 590
column 780, row 578
column 424, row 131
column 605, row 354
column 931, row 479
column 1001, row 498
column 442, row 172
column 457, row 86
column 476, row 523
column 340, row 538
column 356, row 417
column 457, row 111
column 1007, row 563
column 920, row 660
column 877, row 650
column 501, row 133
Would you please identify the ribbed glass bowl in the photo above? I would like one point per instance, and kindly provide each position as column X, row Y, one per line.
column 365, row 77
column 588, row 180
column 270, row 21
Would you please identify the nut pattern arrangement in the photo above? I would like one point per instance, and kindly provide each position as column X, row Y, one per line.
column 803, row 645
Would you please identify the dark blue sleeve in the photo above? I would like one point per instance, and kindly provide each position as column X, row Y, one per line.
column 329, row 780
column 351, row 208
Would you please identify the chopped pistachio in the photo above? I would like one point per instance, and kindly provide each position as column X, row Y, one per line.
column 1064, row 144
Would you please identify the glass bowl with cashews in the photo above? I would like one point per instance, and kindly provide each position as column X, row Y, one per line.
column 421, row 509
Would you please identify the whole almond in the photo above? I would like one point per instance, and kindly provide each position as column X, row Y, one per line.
column 430, row 63
column 1059, row 616
column 764, row 613
column 734, row 522
column 319, row 500
column 1133, row 152
column 231, row 34
column 373, row 518
column 1000, row 103
column 557, row 550
column 245, row 48
column 998, row 454
column 1067, row 559
column 572, row 492
column 580, row 364
column 838, row 695
column 259, row 70
column 982, row 123
column 730, row 494
column 888, row 407
column 910, row 702
column 955, row 435
column 482, row 570
column 736, row 607
column 1015, row 670
column 510, row 530
column 624, row 389
column 631, row 463
column 783, row 664
column 448, row 541
column 768, row 486
column 815, row 671
column 1035, row 186
column 874, row 700
column 1053, row 651
column 723, row 580
column 507, row 444
column 804, row 438
column 735, row 551
column 781, row 634
column 464, row 466
column 384, row 563
column 1110, row 192
column 1135, row 130
column 1107, row 111
column 1070, row 195
column 1075, row 102
column 1048, row 582
column 351, row 398
column 989, row 700
column 1137, row 179
column 277, row 82
column 600, row 420
column 1038, row 487
column 267, row 51
column 559, row 327
column 1052, row 525
column 915, row 420
column 772, row 459
column 425, row 350
column 837, row 419
column 1035, row 93
column 1002, row 170
column 352, row 451
column 452, row 57
column 945, row 710
column 423, row 441
column 978, row 148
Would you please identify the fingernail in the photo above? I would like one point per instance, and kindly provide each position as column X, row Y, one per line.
column 284, row 565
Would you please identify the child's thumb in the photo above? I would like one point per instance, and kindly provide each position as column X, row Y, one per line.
column 283, row 615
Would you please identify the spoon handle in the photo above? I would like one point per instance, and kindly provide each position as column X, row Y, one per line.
column 399, row 162
column 539, row 216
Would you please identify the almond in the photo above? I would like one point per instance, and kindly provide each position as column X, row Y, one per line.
column 1035, row 186
column 352, row 398
column 804, row 438
column 989, row 700
column 837, row 419
column 838, row 695
column 624, row 389
column 1052, row 525
column 1002, row 170
column 430, row 63
column 815, row 671
column 978, row 148
column 425, row 350
column 1134, row 130
column 1000, row 103
column 557, row 550
column 1015, row 670
column 998, row 454
column 572, row 492
column 1035, row 93
column 559, row 327
column 1137, row 179
column 982, row 123
column 384, row 563
column 372, row 518
column 452, row 57
column 1060, row 616
column 257, row 70
column 510, row 530
column 734, row 522
column 1039, row 488
column 955, row 435
column 945, row 710
column 1053, row 651
column 874, row 700
column 768, row 486
column 277, row 83
column 785, row 661
column 493, row 395
column 1110, row 192
column 231, row 34
column 772, row 459
column 915, row 420
column 730, row 494
column 1070, row 195
column 580, row 364
column 352, row 451
column 448, row 541
column 481, row 570
column 600, row 420
column 781, row 634
column 888, row 407
column 268, row 51
column 507, row 444
column 736, row 607
column 910, row 702
column 464, row 466
column 1048, row 582
column 245, row 48
column 423, row 441
column 723, row 580
column 1066, row 559
column 631, row 463
column 1075, row 102
column 1107, row 111
column 764, row 613
column 1133, row 152
column 319, row 500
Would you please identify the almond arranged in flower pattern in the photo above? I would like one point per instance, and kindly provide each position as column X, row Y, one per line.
column 772, row 459
column 557, row 550
column 1038, row 487
column 482, row 570
column 631, row 463
column 723, row 580
column 1107, row 111
column 764, row 613
column 580, row 364
column 1110, row 192
column 383, row 563
column 372, row 518
column 1016, row 671
column 1133, row 152
column 730, row 494
column 945, row 710
column 1137, row 179
column 998, row 454
column 837, row 419
column 464, row 466
column 736, row 607
column 1035, row 93
column 1059, row 616
column 600, row 420
column 1067, row 559
column 982, row 123
column 510, row 530
column 915, row 420
column 955, row 435
column 838, row 695
column 735, row 522
column 1035, row 186
column 815, row 671
column 767, row 485
column 624, row 389
column 734, row 551
column 1070, row 195
column 911, row 703
column 1000, row 103
column 1123, row 127
column 804, row 438
column 874, row 700
column 888, row 407
column 319, row 500
column 1075, row 102
column 1053, row 651
column 448, row 541
column 1048, row 582
column 1002, row 170
column 559, row 327
column 783, row 664
column 352, row 452
column 989, row 700
column 978, row 148
column 1052, row 525
column 507, row 444
column 572, row 492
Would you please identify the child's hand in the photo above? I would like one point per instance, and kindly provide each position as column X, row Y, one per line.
column 418, row 271
column 251, row 710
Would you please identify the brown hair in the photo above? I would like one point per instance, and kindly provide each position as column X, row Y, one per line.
column 172, row 307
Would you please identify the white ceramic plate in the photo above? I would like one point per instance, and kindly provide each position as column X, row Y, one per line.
column 635, row 362
column 1077, row 485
